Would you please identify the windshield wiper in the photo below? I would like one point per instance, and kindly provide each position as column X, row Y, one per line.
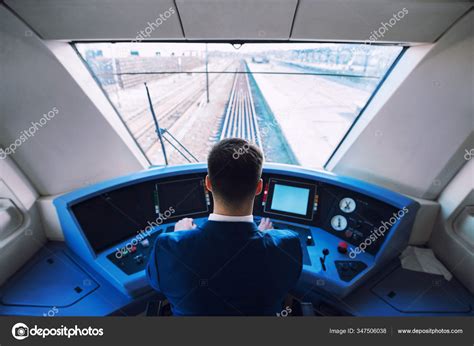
column 161, row 132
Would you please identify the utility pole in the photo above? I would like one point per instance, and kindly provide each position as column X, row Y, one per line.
column 207, row 76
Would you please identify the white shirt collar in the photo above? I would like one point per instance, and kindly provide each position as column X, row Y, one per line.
column 227, row 218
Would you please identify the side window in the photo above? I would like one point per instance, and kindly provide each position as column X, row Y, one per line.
column 463, row 225
column 11, row 217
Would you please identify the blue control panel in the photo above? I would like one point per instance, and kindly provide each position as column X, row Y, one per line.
column 348, row 228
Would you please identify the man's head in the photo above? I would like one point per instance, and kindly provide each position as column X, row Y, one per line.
column 235, row 168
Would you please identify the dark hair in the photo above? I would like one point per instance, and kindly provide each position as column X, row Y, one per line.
column 235, row 167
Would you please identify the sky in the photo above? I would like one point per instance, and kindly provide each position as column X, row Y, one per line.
column 150, row 49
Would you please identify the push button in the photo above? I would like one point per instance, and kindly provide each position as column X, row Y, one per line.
column 342, row 247
column 138, row 259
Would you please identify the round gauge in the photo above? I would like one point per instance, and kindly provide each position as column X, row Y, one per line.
column 339, row 223
column 347, row 205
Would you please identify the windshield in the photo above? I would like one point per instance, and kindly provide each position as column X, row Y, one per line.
column 295, row 101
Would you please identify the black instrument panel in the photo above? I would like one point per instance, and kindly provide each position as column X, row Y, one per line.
column 132, row 210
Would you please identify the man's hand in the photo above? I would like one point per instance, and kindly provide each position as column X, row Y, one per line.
column 185, row 224
column 265, row 224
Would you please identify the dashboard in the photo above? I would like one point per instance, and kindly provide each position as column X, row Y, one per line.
column 347, row 228
column 136, row 209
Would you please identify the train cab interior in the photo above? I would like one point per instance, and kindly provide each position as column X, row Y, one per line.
column 363, row 111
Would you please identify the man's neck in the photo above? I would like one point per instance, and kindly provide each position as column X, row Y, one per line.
column 221, row 209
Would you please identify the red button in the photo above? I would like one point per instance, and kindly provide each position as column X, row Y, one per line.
column 342, row 247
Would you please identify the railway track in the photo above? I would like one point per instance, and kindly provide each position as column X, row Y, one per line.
column 240, row 119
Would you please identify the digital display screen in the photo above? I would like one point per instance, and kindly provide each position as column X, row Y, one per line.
column 182, row 197
column 290, row 199
column 296, row 199
column 114, row 216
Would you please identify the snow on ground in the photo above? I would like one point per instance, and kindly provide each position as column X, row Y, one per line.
column 314, row 112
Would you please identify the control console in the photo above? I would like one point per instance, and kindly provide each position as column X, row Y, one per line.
column 347, row 228
column 133, row 257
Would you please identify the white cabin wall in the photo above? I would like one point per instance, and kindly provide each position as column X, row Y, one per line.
column 453, row 240
column 76, row 147
column 17, row 247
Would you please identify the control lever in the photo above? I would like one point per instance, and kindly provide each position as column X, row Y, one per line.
column 323, row 259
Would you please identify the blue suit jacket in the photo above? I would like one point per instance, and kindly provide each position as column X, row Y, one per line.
column 225, row 268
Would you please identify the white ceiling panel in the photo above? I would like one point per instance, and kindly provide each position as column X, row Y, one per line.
column 324, row 20
column 347, row 20
column 104, row 19
column 237, row 19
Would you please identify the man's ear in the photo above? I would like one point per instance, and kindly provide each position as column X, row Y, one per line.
column 208, row 183
column 259, row 187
